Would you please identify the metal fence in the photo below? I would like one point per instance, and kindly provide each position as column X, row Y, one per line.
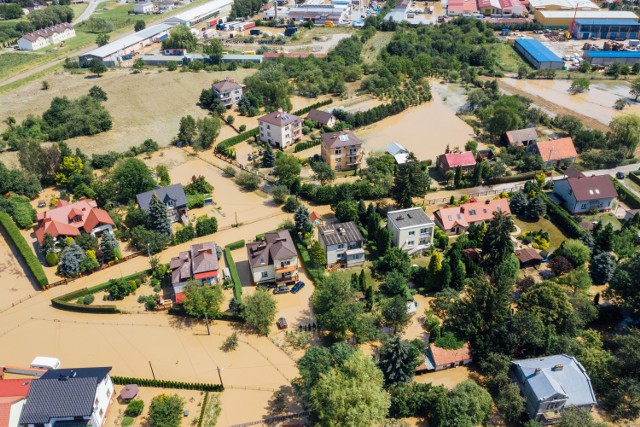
column 272, row 420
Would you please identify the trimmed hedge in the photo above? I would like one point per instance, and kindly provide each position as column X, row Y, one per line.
column 305, row 110
column 304, row 145
column 237, row 284
column 63, row 301
column 315, row 273
column 24, row 249
column 527, row 176
column 626, row 196
column 634, row 176
column 223, row 147
column 203, row 408
column 235, row 245
column 562, row 219
column 148, row 382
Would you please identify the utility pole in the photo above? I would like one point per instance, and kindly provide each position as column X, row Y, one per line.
column 206, row 318
column 220, row 376
column 236, row 213
column 152, row 373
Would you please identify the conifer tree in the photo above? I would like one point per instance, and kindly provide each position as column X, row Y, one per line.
column 159, row 217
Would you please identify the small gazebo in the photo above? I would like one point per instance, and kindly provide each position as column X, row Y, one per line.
column 129, row 392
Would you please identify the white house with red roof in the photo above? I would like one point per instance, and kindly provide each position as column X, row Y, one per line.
column 456, row 219
column 450, row 161
column 580, row 193
column 13, row 396
column 46, row 36
column 71, row 219
column 200, row 263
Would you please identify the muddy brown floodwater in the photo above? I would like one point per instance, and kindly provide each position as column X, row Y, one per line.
column 427, row 129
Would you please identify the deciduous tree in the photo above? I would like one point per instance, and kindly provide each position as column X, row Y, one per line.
column 260, row 311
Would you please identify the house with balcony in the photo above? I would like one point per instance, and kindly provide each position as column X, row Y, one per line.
column 579, row 193
column 552, row 384
column 228, row 91
column 411, row 229
column 343, row 244
column 72, row 219
column 451, row 161
column 200, row 264
column 273, row 259
column 172, row 196
column 280, row 129
column 69, row 397
column 342, row 151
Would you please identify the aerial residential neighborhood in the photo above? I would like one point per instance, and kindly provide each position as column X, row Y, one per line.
column 319, row 213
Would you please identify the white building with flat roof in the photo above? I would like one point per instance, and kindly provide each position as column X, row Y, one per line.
column 198, row 14
column 411, row 229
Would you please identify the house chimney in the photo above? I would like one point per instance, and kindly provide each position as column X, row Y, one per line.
column 558, row 367
column 537, row 371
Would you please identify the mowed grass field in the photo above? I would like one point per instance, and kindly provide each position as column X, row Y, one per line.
column 508, row 59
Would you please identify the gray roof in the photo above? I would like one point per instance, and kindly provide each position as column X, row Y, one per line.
column 201, row 258
column 340, row 139
column 227, row 84
column 411, row 217
column 127, row 41
column 516, row 137
column 398, row 152
column 97, row 373
column 321, row 117
column 279, row 118
column 59, row 398
column 558, row 374
column 335, row 234
column 275, row 246
column 171, row 192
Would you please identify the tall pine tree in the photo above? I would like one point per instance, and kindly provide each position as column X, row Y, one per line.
column 268, row 158
column 159, row 217
column 398, row 361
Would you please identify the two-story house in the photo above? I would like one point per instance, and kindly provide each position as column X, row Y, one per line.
column 555, row 151
column 410, row 229
column 451, row 161
column 551, row 384
column 280, row 129
column 200, row 263
column 273, row 259
column 456, row 219
column 172, row 196
column 228, row 91
column 342, row 151
column 343, row 243
column 46, row 36
column 580, row 193
column 68, row 396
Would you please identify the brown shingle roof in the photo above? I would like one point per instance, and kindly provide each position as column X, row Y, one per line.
column 516, row 137
column 279, row 118
column 340, row 139
column 592, row 187
column 557, row 149
column 47, row 32
column 321, row 117
column 277, row 245
column 527, row 255
column 227, row 84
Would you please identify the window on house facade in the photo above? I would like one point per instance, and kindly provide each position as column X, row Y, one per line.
column 412, row 233
column 583, row 206
column 424, row 230
column 265, row 274
column 411, row 243
column 338, row 159
column 338, row 167
column 338, row 151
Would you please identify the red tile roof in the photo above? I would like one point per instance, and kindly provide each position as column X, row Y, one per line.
column 557, row 149
column 470, row 212
column 446, row 357
column 13, row 388
column 460, row 159
column 462, row 6
column 60, row 220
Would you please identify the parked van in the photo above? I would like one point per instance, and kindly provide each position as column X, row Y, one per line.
column 328, row 23
column 42, row 362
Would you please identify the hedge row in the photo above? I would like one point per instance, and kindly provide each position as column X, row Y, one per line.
column 235, row 245
column 148, row 382
column 635, row 177
column 237, row 284
column 24, row 249
column 626, row 196
column 315, row 273
column 305, row 110
column 63, row 301
column 304, row 145
column 527, row 176
column 224, row 146
column 203, row 408
column 562, row 219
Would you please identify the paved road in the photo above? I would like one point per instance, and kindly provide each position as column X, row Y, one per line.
column 88, row 11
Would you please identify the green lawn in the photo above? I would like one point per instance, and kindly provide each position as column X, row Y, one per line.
column 606, row 218
column 16, row 60
column 508, row 59
column 375, row 44
column 345, row 274
column 78, row 8
column 556, row 236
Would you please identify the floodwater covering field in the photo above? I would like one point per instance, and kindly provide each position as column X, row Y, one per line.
column 597, row 103
column 427, row 129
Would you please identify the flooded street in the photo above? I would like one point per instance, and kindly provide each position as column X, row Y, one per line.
column 426, row 130
column 597, row 103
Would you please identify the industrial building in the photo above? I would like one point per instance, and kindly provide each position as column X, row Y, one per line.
column 563, row 18
column 318, row 13
column 606, row 58
column 606, row 29
column 122, row 49
column 538, row 55
column 563, row 5
column 198, row 14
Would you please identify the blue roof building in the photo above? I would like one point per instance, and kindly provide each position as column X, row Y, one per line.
column 551, row 384
column 606, row 29
column 538, row 55
column 607, row 57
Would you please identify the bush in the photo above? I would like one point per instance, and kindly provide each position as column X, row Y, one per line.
column 195, row 201
column 88, row 299
column 52, row 259
column 307, row 144
column 230, row 171
column 527, row 176
column 135, row 408
column 248, row 181
column 206, row 225
column 184, row 234
column 24, row 249
column 237, row 284
column 627, row 196
column 148, row 382
column 235, row 245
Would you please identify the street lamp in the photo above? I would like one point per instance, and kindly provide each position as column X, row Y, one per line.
column 149, row 251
